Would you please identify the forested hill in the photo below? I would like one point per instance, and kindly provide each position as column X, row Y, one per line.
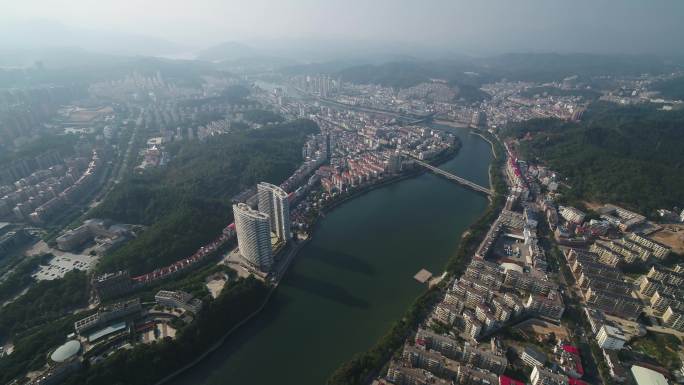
column 187, row 203
column 535, row 67
column 632, row 156
column 672, row 89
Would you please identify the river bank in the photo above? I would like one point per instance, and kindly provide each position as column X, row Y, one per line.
column 369, row 364
column 414, row 172
column 355, row 274
column 355, row 194
column 218, row 343
column 491, row 144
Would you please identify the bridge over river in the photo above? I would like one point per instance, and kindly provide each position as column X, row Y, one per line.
column 455, row 178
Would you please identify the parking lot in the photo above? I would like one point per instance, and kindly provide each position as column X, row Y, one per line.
column 62, row 263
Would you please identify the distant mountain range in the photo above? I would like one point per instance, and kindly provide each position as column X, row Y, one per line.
column 227, row 51
column 54, row 46
column 26, row 42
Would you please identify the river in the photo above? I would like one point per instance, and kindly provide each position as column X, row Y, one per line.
column 354, row 279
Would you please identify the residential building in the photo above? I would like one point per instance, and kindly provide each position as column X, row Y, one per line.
column 274, row 202
column 648, row 286
column 674, row 318
column 12, row 239
column 616, row 304
column 484, row 359
column 454, row 299
column 514, row 302
column 624, row 219
column 254, row 236
column 472, row 295
column 446, row 345
column 666, row 276
column 571, row 214
column 535, row 282
column 542, row 376
column 595, row 317
column 550, row 307
column 447, row 313
column 610, row 338
column 502, row 312
column 533, row 357
column 666, row 296
column 490, row 273
column 473, row 376
column 402, row 374
column 430, row 360
column 471, row 325
column 486, row 317
column 659, row 251
column 609, row 254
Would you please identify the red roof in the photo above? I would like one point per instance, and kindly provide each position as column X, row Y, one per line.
column 174, row 267
column 571, row 349
column 578, row 364
column 504, row 380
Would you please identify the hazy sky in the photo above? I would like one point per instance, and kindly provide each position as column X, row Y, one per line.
column 476, row 25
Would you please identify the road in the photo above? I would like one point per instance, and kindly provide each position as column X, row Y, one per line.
column 124, row 162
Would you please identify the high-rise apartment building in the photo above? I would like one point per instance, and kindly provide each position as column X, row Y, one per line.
column 274, row 202
column 254, row 236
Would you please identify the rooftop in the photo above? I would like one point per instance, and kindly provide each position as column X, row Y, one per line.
column 422, row 276
column 66, row 351
column 645, row 376
column 614, row 332
column 535, row 354
column 107, row 331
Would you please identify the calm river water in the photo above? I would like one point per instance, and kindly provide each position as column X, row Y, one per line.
column 354, row 279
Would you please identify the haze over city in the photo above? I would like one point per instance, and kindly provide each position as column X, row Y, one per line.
column 341, row 192
column 404, row 26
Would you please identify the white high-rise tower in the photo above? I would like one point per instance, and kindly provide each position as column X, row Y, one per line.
column 274, row 202
column 254, row 236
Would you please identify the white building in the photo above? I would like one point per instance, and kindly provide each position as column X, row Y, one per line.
column 541, row 376
column 254, row 236
column 610, row 338
column 533, row 357
column 645, row 376
column 274, row 202
column 178, row 299
column 571, row 214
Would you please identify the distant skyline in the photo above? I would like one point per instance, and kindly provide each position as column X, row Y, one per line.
column 480, row 27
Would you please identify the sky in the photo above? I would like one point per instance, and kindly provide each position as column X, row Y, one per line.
column 615, row 26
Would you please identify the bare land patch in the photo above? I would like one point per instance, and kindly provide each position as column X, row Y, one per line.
column 671, row 235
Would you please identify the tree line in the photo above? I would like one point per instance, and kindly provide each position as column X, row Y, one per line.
column 187, row 203
column 630, row 156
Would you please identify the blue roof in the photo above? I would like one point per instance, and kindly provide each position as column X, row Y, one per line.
column 107, row 331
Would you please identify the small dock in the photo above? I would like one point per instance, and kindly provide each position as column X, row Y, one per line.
column 423, row 276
